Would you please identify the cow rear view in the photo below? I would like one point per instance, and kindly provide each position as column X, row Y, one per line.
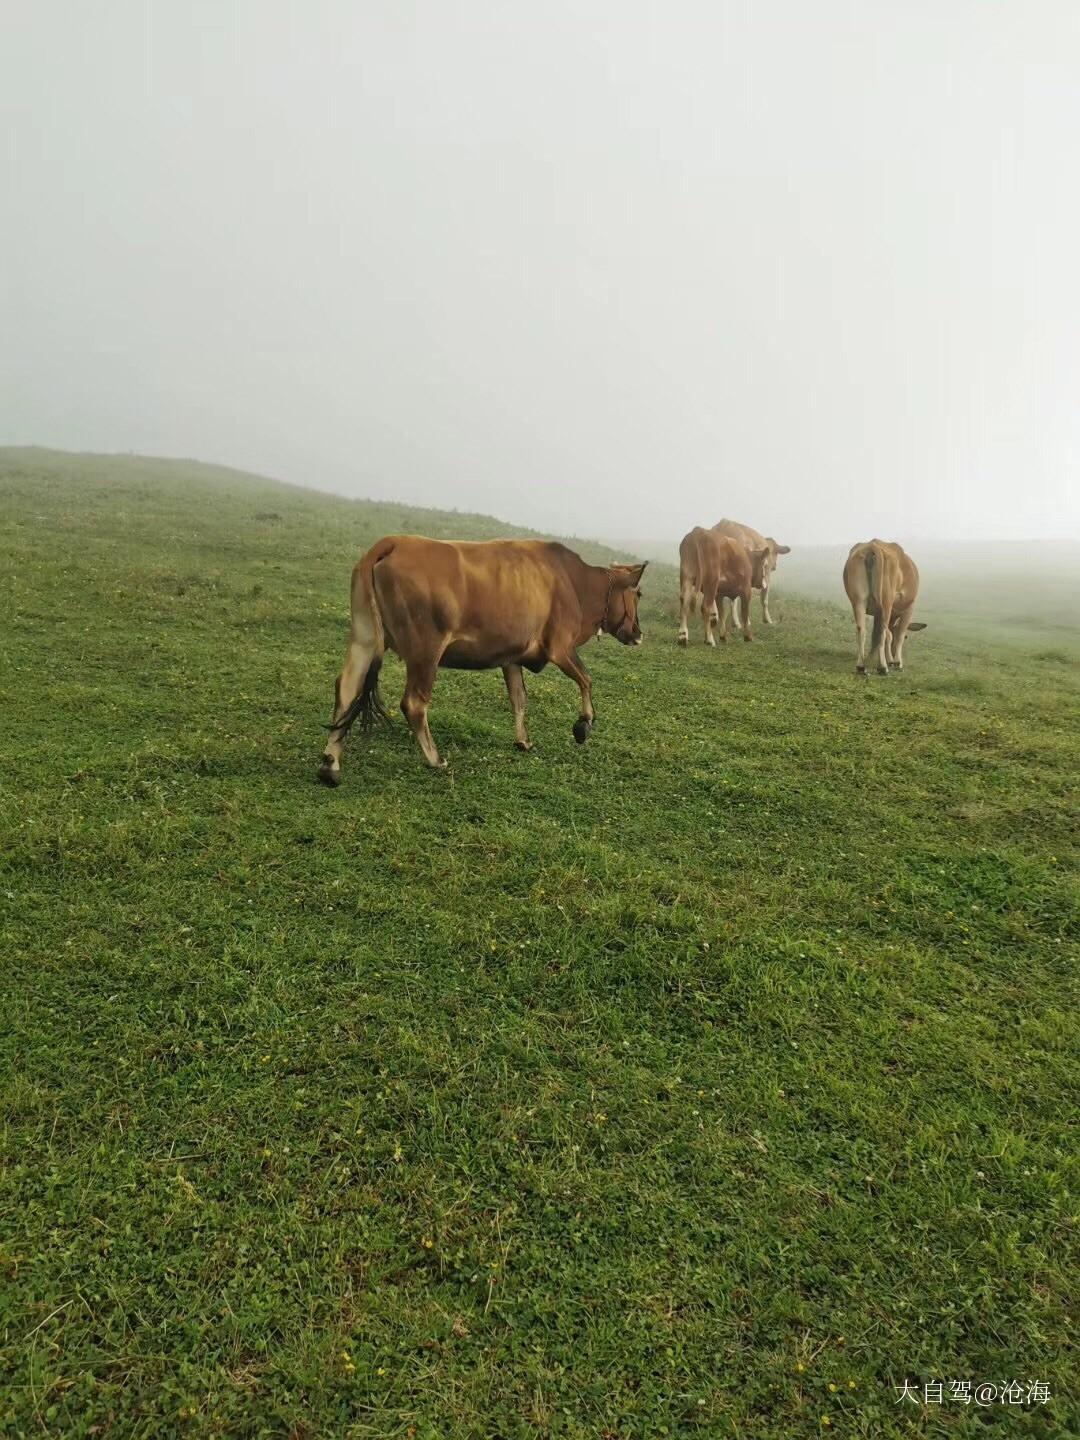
column 755, row 541
column 716, row 568
column 882, row 580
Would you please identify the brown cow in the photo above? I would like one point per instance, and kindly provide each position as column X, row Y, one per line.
column 712, row 565
column 881, row 577
column 754, row 540
column 474, row 605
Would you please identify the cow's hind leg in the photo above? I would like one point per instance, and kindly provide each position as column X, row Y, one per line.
column 347, row 687
column 709, row 614
column 419, row 683
column 686, row 604
column 881, row 640
column 899, row 635
column 765, row 605
column 859, row 611
column 727, row 611
column 515, row 688
column 570, row 664
column 747, row 633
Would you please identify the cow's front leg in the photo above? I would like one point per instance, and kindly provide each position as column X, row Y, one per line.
column 764, row 606
column 571, row 665
column 515, row 688
column 747, row 633
column 419, row 683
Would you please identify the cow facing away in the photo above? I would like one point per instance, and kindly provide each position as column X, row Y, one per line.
column 473, row 605
column 754, row 540
column 880, row 577
column 715, row 567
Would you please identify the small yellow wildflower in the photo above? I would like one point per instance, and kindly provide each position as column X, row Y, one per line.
column 427, row 1242
column 832, row 1387
column 800, row 1366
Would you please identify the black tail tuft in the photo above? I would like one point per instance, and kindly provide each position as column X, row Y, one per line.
column 367, row 707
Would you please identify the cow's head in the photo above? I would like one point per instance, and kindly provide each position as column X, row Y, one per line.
column 621, row 618
column 761, row 563
column 764, row 567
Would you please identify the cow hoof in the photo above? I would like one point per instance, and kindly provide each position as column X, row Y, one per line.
column 882, row 669
column 330, row 774
column 525, row 745
column 748, row 638
column 683, row 640
column 581, row 731
column 860, row 669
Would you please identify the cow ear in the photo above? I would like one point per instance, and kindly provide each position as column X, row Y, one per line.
column 630, row 575
column 917, row 625
column 782, row 549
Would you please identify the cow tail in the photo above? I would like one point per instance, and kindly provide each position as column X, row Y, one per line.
column 874, row 577
column 367, row 629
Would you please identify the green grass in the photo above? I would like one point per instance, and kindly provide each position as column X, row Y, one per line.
column 647, row 1088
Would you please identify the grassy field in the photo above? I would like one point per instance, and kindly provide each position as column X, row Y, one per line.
column 710, row 1079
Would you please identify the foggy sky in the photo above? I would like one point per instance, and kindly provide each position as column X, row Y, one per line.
column 604, row 268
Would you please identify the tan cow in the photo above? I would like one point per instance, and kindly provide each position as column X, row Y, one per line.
column 473, row 605
column 881, row 577
column 715, row 567
column 754, row 540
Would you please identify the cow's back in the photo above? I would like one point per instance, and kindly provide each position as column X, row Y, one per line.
column 899, row 569
column 745, row 534
column 692, row 556
column 709, row 559
column 898, row 573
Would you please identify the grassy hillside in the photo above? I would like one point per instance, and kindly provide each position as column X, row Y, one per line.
column 709, row 1079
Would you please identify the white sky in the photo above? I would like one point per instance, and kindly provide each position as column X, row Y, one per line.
column 605, row 268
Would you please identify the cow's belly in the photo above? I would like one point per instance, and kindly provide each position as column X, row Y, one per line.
column 487, row 652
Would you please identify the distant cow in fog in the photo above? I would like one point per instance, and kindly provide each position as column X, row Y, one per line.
column 754, row 540
column 880, row 577
column 716, row 568
column 474, row 605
